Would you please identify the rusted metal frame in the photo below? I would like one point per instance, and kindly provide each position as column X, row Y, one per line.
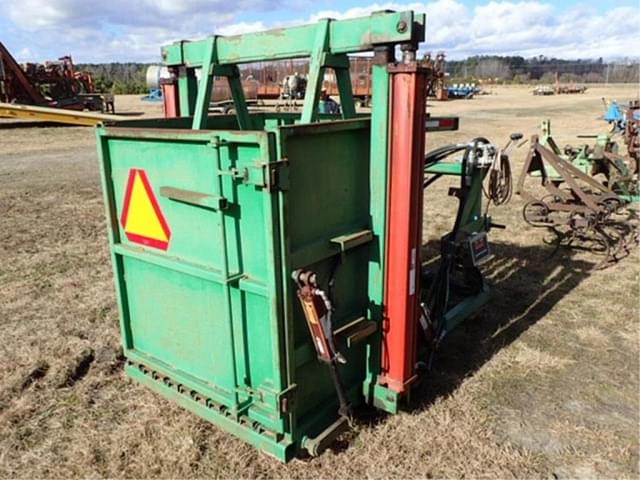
column 527, row 166
column 11, row 65
column 316, row 73
column 563, row 207
column 553, row 189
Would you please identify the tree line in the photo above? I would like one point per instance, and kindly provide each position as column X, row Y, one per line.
column 129, row 78
column 541, row 69
column 118, row 78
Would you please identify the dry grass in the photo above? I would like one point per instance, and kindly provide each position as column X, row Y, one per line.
column 544, row 382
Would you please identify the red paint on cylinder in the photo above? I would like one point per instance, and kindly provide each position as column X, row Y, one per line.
column 404, row 225
column 170, row 99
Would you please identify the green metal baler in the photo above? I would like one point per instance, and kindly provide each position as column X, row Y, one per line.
column 210, row 216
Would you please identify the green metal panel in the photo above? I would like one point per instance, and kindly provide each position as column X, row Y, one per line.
column 203, row 314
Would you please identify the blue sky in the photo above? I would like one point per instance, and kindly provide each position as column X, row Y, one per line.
column 134, row 30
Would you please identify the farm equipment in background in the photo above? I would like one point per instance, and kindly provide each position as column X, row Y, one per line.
column 570, row 89
column 55, row 84
column 626, row 122
column 436, row 87
column 543, row 90
column 154, row 95
column 462, row 91
column 559, row 88
column 273, row 261
column 577, row 208
column 567, row 88
column 293, row 87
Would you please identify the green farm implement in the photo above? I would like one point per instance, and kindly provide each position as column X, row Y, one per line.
column 268, row 265
column 587, row 191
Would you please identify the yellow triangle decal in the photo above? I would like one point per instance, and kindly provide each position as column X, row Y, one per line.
column 142, row 218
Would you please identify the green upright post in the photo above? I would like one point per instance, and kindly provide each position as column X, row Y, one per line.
column 187, row 87
column 378, row 184
column 316, row 73
column 343, row 79
column 237, row 93
column 204, row 87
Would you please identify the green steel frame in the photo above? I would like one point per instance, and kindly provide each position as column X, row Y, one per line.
column 258, row 166
column 327, row 44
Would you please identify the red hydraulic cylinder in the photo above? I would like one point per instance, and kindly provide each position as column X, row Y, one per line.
column 404, row 224
column 170, row 98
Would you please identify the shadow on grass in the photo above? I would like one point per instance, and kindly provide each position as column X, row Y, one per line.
column 526, row 283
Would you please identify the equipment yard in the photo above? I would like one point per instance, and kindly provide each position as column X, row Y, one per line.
column 544, row 382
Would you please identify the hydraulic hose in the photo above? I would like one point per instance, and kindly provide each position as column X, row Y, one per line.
column 500, row 185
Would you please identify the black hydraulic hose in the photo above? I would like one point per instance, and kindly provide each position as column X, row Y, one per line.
column 500, row 185
column 442, row 152
column 438, row 154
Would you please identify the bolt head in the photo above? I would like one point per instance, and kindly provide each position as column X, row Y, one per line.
column 402, row 26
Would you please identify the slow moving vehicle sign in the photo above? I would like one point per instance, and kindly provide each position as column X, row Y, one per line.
column 142, row 220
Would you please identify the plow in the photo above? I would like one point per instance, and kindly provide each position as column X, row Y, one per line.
column 575, row 207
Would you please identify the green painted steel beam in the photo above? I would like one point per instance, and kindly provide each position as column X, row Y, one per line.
column 378, row 181
column 345, row 36
column 445, row 168
column 465, row 309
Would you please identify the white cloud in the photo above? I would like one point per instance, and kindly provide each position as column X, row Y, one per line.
column 242, row 27
column 528, row 28
column 125, row 30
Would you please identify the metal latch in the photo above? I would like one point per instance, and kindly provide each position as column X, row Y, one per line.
column 268, row 176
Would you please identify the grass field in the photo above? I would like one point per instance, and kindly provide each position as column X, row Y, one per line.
column 544, row 382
